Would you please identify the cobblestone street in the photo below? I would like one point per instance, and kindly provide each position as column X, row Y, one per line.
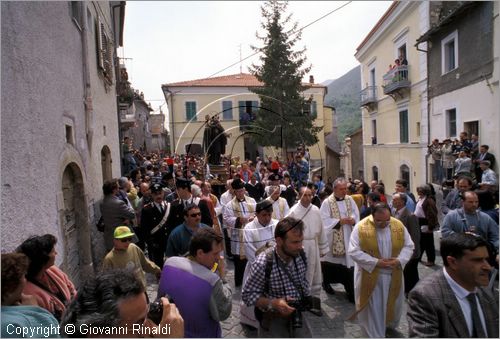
column 336, row 309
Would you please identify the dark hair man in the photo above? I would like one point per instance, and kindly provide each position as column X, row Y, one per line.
column 115, row 304
column 278, row 277
column 196, row 285
column 453, row 302
column 114, row 211
column 178, row 241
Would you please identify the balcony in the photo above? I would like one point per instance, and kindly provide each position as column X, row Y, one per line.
column 127, row 115
column 369, row 97
column 396, row 82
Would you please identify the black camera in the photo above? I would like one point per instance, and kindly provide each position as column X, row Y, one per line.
column 300, row 306
column 156, row 309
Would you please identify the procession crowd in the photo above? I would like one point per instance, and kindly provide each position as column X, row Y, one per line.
column 289, row 235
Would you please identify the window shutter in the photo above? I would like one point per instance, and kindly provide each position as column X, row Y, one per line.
column 227, row 110
column 314, row 110
column 100, row 35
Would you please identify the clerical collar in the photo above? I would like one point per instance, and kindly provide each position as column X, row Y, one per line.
column 338, row 199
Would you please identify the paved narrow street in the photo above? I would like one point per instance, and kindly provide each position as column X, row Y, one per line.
column 336, row 309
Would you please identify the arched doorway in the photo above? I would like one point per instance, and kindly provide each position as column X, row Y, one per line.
column 73, row 219
column 405, row 174
column 106, row 164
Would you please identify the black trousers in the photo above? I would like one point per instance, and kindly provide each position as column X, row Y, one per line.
column 410, row 273
column 239, row 269
column 156, row 251
column 339, row 274
column 227, row 242
column 427, row 246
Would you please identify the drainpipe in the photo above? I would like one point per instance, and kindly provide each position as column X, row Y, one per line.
column 87, row 93
column 427, row 156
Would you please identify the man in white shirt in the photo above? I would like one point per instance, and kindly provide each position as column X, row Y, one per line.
column 315, row 241
column 339, row 213
column 237, row 213
column 258, row 234
column 280, row 205
column 380, row 246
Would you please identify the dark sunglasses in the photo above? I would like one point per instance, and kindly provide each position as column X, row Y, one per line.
column 126, row 240
column 194, row 215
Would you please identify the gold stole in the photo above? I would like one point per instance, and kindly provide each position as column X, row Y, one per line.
column 237, row 212
column 369, row 245
column 338, row 247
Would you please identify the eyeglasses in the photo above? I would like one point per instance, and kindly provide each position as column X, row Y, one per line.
column 126, row 240
column 194, row 215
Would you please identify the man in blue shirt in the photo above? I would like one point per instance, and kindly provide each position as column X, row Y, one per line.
column 178, row 241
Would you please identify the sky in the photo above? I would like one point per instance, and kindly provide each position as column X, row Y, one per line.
column 171, row 41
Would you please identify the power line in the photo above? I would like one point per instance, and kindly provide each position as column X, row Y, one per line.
column 296, row 32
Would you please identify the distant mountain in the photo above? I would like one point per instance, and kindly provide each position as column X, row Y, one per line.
column 343, row 94
column 327, row 82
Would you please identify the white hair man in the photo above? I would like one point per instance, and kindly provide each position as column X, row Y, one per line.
column 339, row 213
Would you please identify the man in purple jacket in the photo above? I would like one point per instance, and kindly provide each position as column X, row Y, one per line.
column 196, row 284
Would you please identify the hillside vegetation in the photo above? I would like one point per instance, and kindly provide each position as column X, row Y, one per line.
column 343, row 94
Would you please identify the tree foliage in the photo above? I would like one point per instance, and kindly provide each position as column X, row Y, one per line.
column 284, row 116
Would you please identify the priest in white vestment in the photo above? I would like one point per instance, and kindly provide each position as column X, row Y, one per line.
column 339, row 213
column 237, row 213
column 258, row 234
column 380, row 246
column 280, row 205
column 315, row 241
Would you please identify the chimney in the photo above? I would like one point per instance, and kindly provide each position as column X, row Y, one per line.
column 311, row 79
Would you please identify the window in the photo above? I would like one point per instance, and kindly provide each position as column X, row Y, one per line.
column 451, row 122
column 248, row 112
column 314, row 110
column 375, row 173
column 190, row 110
column 374, row 132
column 227, row 110
column 69, row 134
column 403, row 126
column 104, row 52
column 449, row 53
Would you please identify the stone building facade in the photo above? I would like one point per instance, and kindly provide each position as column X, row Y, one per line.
column 59, row 123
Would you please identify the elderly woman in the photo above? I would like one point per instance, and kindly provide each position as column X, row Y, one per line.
column 51, row 287
column 20, row 311
column 426, row 212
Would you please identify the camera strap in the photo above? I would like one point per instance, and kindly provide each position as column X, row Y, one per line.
column 285, row 269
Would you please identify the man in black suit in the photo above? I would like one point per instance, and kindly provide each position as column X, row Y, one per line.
column 483, row 155
column 185, row 197
column 154, row 221
column 410, row 220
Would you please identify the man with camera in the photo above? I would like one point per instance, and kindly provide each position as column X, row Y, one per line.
column 196, row 284
column 277, row 284
column 114, row 303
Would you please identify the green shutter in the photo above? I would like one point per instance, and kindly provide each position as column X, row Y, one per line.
column 314, row 110
column 227, row 110
column 403, row 126
column 190, row 110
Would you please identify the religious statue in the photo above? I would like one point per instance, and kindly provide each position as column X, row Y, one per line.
column 214, row 139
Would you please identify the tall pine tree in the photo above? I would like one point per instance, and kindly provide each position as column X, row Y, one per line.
column 283, row 109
